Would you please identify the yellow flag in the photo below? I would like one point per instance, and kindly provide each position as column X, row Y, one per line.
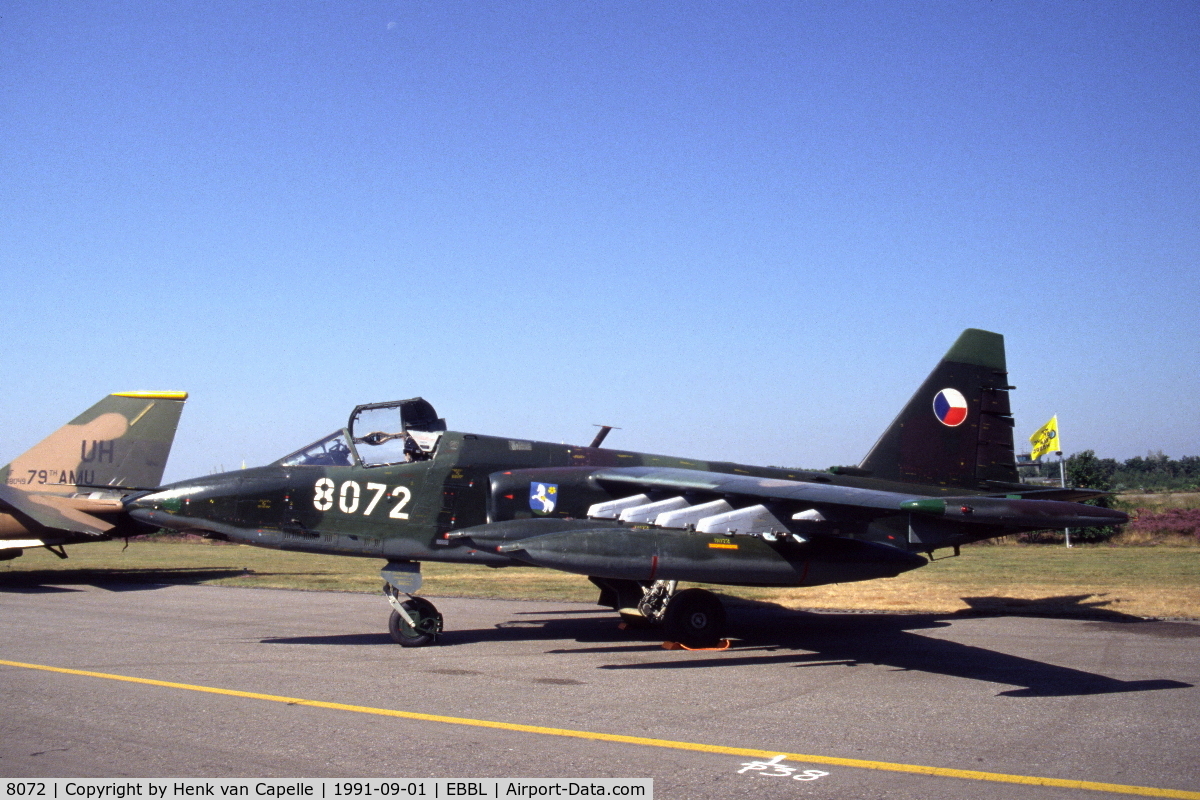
column 1045, row 440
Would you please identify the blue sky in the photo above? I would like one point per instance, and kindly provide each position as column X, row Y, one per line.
column 736, row 230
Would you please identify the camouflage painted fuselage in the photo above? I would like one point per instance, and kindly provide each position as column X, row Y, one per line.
column 428, row 511
column 395, row 484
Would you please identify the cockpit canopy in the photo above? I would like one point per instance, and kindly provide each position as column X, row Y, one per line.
column 381, row 433
column 416, row 414
column 396, row 432
column 332, row 451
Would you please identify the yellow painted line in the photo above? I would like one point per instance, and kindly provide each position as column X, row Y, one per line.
column 723, row 546
column 916, row 769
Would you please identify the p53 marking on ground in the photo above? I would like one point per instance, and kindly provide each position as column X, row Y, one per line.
column 768, row 757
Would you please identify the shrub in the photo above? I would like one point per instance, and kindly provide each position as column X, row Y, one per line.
column 1170, row 522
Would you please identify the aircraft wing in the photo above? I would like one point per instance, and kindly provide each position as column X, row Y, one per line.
column 40, row 511
column 767, row 489
column 1053, row 507
column 1054, row 493
column 750, row 504
column 741, row 529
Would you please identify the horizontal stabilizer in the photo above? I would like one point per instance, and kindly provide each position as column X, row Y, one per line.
column 1056, row 493
column 42, row 511
column 1016, row 512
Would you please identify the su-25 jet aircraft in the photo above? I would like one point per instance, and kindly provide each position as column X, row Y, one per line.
column 395, row 484
column 68, row 488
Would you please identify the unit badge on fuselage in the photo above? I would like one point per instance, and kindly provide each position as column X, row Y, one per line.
column 543, row 497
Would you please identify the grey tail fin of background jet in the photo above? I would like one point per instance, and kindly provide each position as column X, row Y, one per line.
column 957, row 430
column 122, row 441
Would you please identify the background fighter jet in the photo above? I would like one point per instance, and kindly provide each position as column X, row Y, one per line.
column 396, row 485
column 69, row 487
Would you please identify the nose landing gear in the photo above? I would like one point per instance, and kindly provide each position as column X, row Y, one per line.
column 415, row 622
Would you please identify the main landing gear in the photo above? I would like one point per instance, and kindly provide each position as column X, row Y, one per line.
column 415, row 622
column 694, row 618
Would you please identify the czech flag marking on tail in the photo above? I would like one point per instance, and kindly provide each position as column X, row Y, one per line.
column 950, row 407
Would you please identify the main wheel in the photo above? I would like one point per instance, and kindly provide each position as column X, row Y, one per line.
column 695, row 618
column 427, row 624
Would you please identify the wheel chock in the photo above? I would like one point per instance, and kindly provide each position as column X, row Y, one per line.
column 724, row 645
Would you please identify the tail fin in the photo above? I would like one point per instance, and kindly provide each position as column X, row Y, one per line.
column 957, row 430
column 123, row 441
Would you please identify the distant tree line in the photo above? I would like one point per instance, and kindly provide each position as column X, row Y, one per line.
column 1155, row 472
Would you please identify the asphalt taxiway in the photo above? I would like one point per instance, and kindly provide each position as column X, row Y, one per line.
column 149, row 680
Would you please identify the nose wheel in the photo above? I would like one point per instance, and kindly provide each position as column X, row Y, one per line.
column 414, row 622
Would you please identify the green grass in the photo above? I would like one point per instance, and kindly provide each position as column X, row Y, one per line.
column 1157, row 501
column 221, row 564
column 1139, row 581
column 1058, row 566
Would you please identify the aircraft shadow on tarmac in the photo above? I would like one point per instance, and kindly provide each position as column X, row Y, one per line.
column 50, row 581
column 770, row 634
column 827, row 639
